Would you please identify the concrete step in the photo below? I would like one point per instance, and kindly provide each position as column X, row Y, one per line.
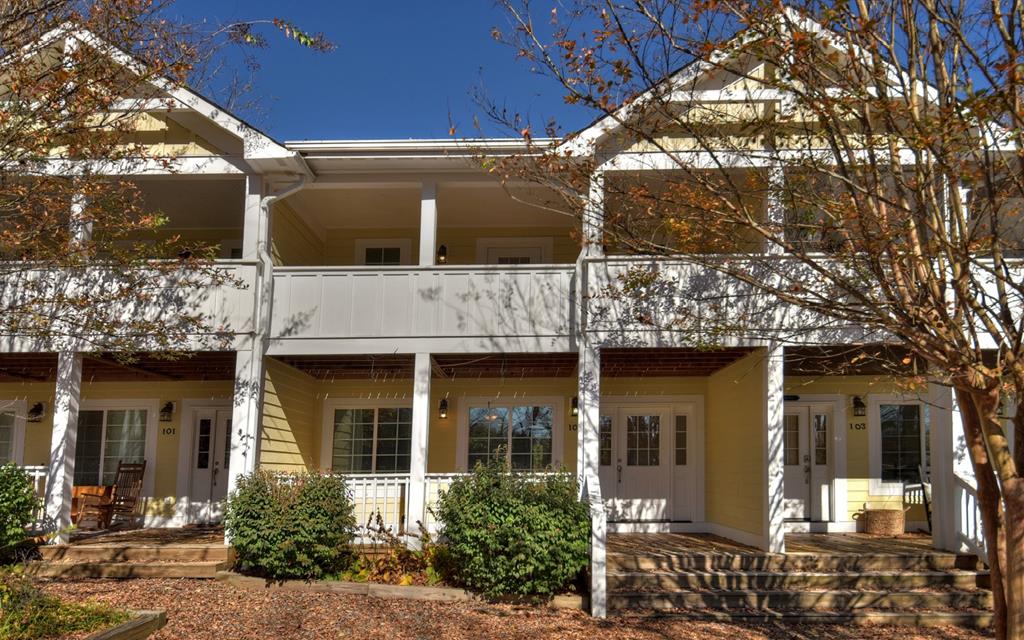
column 660, row 581
column 660, row 561
column 970, row 619
column 125, row 570
column 801, row 600
column 135, row 553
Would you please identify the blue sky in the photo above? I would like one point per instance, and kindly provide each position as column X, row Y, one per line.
column 399, row 68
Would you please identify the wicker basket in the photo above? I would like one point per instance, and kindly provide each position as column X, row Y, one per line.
column 884, row 522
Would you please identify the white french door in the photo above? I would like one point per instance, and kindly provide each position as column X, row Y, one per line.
column 211, row 456
column 644, row 466
column 807, row 462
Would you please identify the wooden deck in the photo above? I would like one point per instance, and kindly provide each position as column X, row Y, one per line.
column 160, row 537
column 796, row 543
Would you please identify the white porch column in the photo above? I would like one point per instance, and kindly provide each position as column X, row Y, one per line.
column 246, row 414
column 774, row 516
column 775, row 209
column 587, row 465
column 593, row 217
column 61, row 472
column 420, row 428
column 252, row 231
column 428, row 224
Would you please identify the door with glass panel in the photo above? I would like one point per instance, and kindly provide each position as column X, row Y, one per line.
column 211, row 458
column 807, row 432
column 639, row 478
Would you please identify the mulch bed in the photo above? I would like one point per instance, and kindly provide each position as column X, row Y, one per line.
column 198, row 609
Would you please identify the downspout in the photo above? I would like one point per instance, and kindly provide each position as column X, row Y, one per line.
column 265, row 265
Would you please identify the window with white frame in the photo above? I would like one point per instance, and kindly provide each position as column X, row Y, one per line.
column 524, row 432
column 105, row 438
column 7, row 425
column 371, row 440
column 903, row 442
column 382, row 251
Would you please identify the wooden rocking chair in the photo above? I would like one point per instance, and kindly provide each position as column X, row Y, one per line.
column 123, row 500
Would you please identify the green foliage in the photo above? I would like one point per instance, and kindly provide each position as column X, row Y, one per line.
column 513, row 534
column 298, row 525
column 18, row 502
column 27, row 614
column 390, row 560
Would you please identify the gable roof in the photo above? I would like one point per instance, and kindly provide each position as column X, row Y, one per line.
column 259, row 150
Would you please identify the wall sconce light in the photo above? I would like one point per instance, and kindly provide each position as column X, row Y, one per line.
column 575, row 410
column 442, row 409
column 36, row 413
column 859, row 408
column 442, row 254
column 167, row 412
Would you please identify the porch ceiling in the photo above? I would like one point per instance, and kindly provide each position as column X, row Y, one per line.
column 641, row 363
column 42, row 367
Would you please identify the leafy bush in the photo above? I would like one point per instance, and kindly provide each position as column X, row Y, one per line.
column 27, row 614
column 18, row 502
column 297, row 525
column 390, row 560
column 513, row 534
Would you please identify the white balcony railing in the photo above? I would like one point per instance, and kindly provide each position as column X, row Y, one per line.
column 223, row 303
column 460, row 306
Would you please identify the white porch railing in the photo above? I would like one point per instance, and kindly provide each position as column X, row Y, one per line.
column 37, row 474
column 967, row 514
column 384, row 494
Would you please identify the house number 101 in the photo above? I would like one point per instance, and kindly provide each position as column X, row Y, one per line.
column 167, row 431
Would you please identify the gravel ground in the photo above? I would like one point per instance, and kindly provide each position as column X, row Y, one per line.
column 207, row 609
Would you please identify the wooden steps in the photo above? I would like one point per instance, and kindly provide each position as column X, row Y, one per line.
column 124, row 561
column 922, row 589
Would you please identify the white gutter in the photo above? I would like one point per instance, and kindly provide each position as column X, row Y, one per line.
column 265, row 264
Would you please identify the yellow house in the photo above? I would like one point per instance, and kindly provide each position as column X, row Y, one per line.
column 400, row 317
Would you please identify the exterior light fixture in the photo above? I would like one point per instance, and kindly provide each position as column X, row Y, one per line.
column 442, row 409
column 36, row 413
column 859, row 408
column 575, row 411
column 167, row 412
column 442, row 254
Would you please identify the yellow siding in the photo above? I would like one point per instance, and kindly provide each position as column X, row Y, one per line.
column 165, row 467
column 294, row 242
column 734, row 445
column 857, row 449
column 291, row 432
column 340, row 245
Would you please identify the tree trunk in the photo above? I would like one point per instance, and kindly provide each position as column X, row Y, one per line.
column 989, row 503
column 1013, row 498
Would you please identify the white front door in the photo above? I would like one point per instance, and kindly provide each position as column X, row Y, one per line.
column 807, row 431
column 211, row 454
column 638, row 478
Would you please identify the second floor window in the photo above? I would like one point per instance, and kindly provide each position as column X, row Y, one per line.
column 380, row 256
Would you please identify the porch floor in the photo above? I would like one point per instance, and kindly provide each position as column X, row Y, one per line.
column 159, row 537
column 796, row 543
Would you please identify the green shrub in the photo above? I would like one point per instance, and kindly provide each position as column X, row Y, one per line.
column 512, row 534
column 298, row 525
column 27, row 614
column 18, row 503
